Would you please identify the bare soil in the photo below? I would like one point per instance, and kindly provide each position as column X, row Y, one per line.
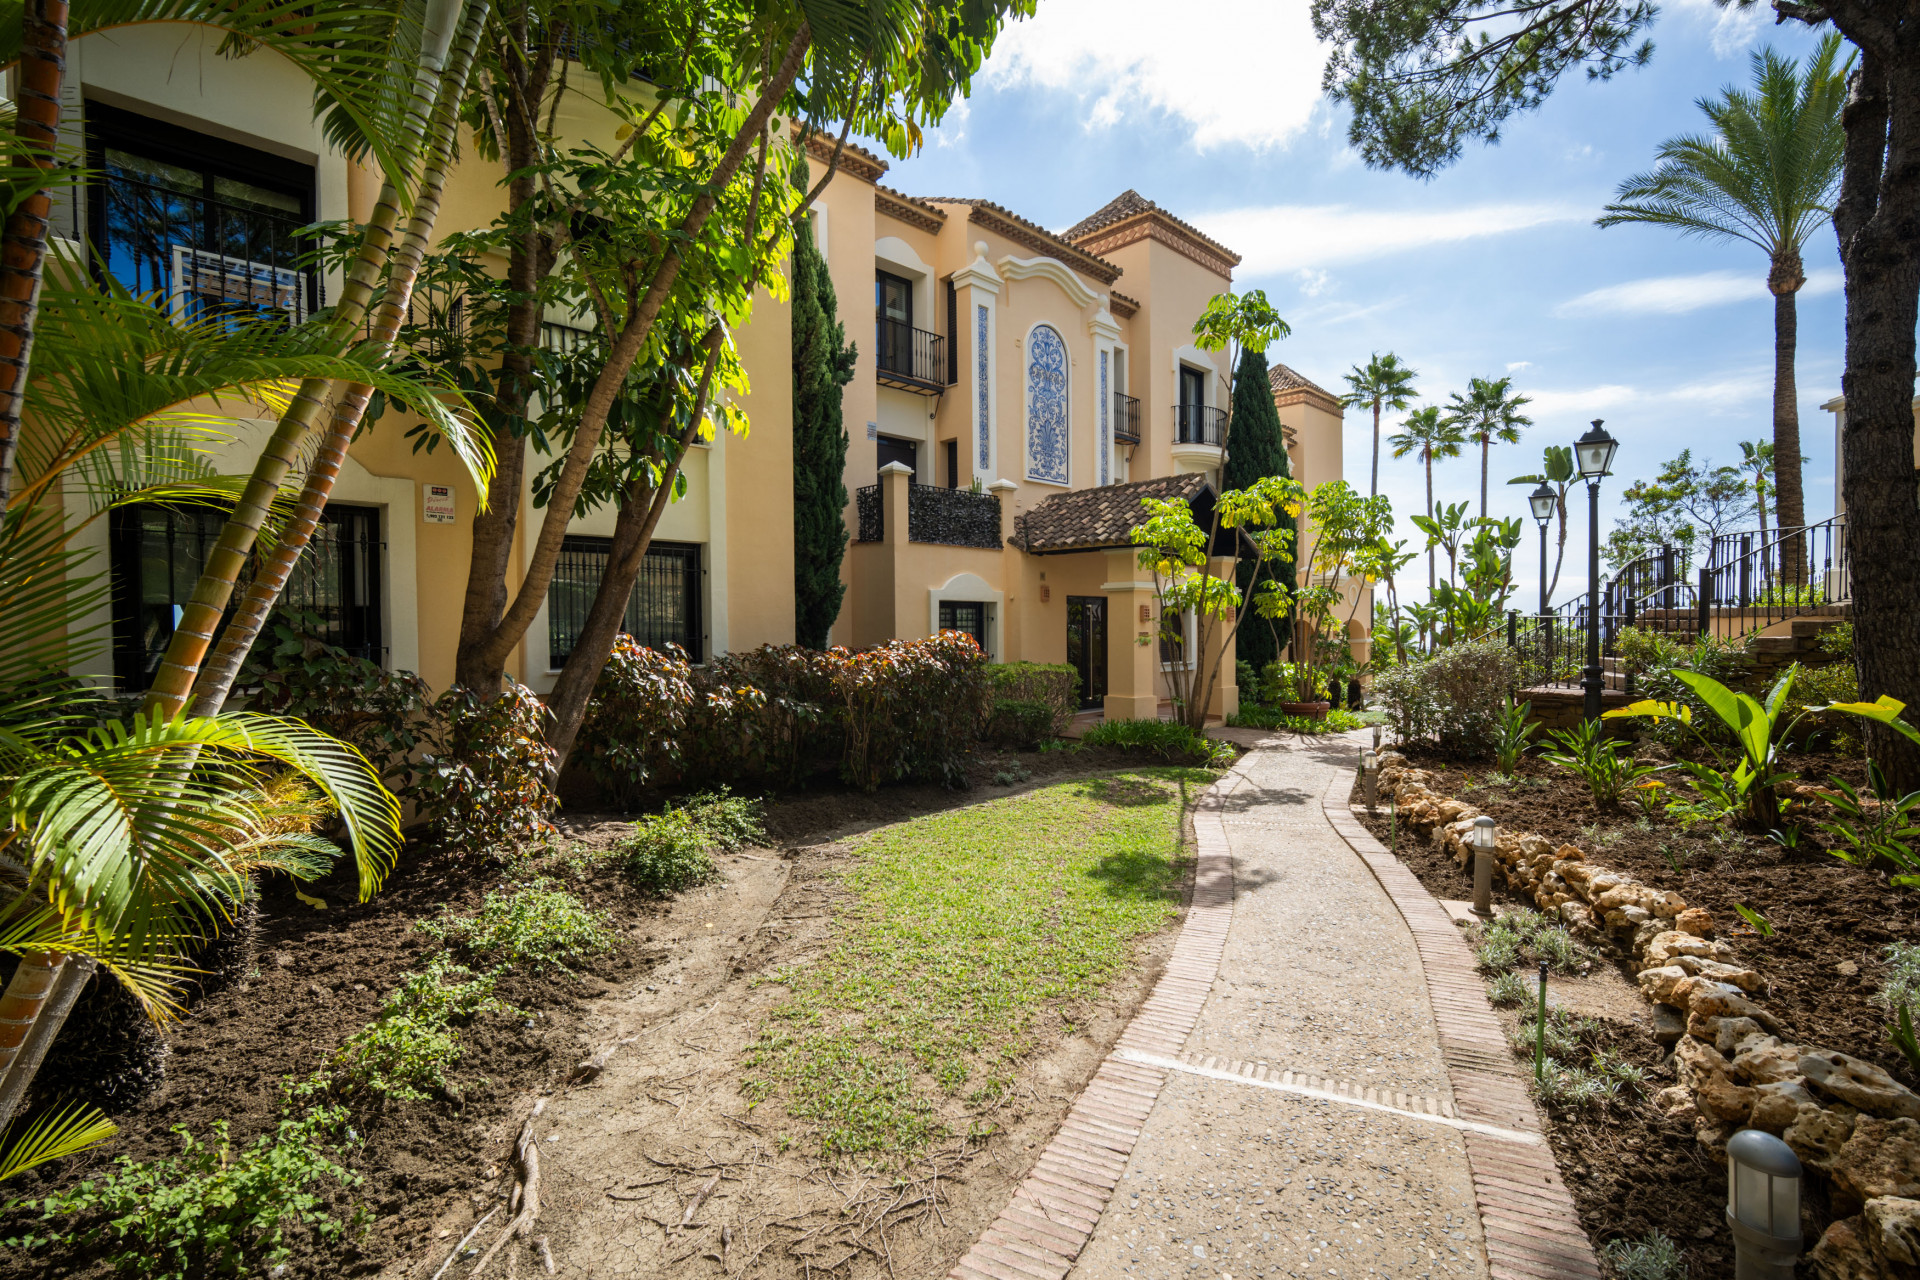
column 625, row 1155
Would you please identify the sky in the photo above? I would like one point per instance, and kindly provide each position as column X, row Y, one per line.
column 1494, row 267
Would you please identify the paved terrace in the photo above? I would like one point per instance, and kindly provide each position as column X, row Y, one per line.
column 1316, row 1087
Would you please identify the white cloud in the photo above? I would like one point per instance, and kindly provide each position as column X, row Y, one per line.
column 1518, row 365
column 1732, row 391
column 1677, row 295
column 1312, row 283
column 1260, row 87
column 1733, row 29
column 1283, row 238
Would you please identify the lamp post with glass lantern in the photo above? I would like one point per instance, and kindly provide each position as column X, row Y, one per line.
column 1542, row 501
column 1594, row 453
column 1763, row 1205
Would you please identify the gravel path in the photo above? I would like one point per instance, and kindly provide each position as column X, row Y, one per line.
column 1232, row 1177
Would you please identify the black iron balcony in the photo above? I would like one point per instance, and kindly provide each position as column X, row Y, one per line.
column 949, row 517
column 1126, row 418
column 206, row 257
column 911, row 358
column 1199, row 424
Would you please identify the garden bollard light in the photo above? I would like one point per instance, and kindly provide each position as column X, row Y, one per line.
column 1369, row 779
column 1482, row 842
column 1763, row 1205
column 1540, row 1030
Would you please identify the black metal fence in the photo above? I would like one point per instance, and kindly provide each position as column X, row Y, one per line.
column 207, row 257
column 871, row 515
column 1126, row 418
column 915, row 355
column 663, row 609
column 1199, row 424
column 935, row 513
column 1754, row 580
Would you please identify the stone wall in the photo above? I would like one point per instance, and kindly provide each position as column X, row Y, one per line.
column 1850, row 1123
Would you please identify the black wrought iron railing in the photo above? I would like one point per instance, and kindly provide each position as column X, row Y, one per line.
column 207, row 257
column 664, row 607
column 1754, row 580
column 1199, row 424
column 910, row 354
column 1126, row 418
column 935, row 513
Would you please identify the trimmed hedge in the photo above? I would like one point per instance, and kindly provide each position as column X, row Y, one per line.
column 1054, row 684
column 1020, row 724
column 905, row 709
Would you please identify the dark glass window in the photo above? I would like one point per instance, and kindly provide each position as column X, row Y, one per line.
column 893, row 297
column 210, row 225
column 157, row 555
column 969, row 616
column 664, row 608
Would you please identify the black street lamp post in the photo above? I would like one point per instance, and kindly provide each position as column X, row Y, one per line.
column 1594, row 452
column 1542, row 500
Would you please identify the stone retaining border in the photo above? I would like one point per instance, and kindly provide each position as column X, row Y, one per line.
column 1531, row 1227
column 1052, row 1215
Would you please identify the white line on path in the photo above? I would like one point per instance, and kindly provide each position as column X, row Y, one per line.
column 1327, row 1095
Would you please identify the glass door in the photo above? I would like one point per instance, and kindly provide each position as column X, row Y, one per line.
column 1087, row 646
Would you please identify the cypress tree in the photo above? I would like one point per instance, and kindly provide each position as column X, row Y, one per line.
column 822, row 365
column 1256, row 447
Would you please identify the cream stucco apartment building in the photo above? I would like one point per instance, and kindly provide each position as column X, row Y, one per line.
column 1016, row 392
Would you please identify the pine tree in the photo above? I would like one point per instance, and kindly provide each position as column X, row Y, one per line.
column 1256, row 447
column 822, row 365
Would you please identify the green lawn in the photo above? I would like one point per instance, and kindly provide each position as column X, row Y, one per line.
column 963, row 935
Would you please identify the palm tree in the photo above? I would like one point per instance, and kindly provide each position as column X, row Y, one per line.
column 1756, row 456
column 1767, row 175
column 1489, row 411
column 1431, row 436
column 1382, row 383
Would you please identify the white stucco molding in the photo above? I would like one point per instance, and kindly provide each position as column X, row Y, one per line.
column 1055, row 270
column 978, row 274
column 1103, row 325
column 968, row 586
column 1002, row 486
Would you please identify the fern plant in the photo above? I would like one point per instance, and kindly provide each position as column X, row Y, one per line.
column 1597, row 758
column 1516, row 729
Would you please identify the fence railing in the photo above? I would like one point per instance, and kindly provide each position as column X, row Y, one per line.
column 1754, row 581
column 915, row 355
column 207, row 257
column 935, row 514
column 870, row 515
column 1199, row 424
column 1126, row 418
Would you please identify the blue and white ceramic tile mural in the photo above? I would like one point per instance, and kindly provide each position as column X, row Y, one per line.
column 982, row 427
column 1046, row 406
column 1106, row 437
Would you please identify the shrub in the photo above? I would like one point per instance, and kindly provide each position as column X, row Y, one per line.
column 406, row 1051
column 530, row 923
column 1020, row 724
column 490, row 782
column 733, row 821
column 1455, row 698
column 1259, row 717
column 1653, row 657
column 1055, row 685
column 1510, row 743
column 667, row 852
column 1508, row 990
column 1899, row 995
column 1653, row 1257
column 1167, row 739
column 208, row 1210
column 1608, row 771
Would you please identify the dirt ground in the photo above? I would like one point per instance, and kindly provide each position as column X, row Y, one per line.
column 1631, row 1170
column 654, row 1168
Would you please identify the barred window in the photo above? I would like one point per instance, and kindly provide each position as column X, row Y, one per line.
column 663, row 609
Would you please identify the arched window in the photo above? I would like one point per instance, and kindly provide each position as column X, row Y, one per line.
column 1046, row 406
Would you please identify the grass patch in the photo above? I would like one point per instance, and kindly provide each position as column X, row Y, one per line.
column 535, row 924
column 1526, row 937
column 964, row 930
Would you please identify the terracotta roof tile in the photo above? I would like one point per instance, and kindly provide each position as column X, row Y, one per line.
column 1283, row 378
column 1131, row 203
column 1086, row 519
column 1035, row 236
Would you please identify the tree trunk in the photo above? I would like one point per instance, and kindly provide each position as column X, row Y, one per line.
column 23, row 244
column 1878, row 207
column 51, row 1015
column 1486, row 443
column 263, row 593
column 487, row 658
column 1374, row 487
column 1432, row 571
column 1559, row 557
column 1789, row 506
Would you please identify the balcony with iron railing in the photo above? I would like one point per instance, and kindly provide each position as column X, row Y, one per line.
column 1199, row 424
column 1126, row 418
column 909, row 358
column 207, row 257
column 935, row 514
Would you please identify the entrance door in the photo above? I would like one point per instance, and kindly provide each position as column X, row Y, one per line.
column 894, row 450
column 1087, row 646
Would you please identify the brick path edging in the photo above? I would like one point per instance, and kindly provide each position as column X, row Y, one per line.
column 1053, row 1212
column 1531, row 1228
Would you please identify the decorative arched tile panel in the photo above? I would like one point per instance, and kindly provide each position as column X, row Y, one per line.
column 1046, row 406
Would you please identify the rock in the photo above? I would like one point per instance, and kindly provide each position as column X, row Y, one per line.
column 1627, row 918
column 1767, row 1060
column 1676, row 1103
column 1668, row 905
column 1882, row 1158
column 1646, row 933
column 1843, row 1253
column 1726, row 1101
column 1745, row 979
column 1668, row 946
column 1894, row 1226
column 1660, row 984
column 1819, row 1134
column 1695, row 1062
column 1576, row 915
column 1535, row 846
column 1859, row 1084
column 1712, row 1136
column 1569, row 852
column 1775, row 1106
column 1450, row 811
column 1697, row 921
column 1669, row 1023
column 1730, row 1034
column 1706, row 998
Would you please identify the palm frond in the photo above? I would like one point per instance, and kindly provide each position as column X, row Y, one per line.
column 55, row 1136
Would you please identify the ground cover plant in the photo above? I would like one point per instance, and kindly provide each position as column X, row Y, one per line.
column 969, row 938
column 1167, row 739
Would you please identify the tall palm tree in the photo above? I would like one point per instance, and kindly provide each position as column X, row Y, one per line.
column 1767, row 176
column 1489, row 410
column 1756, row 457
column 1382, row 383
column 1432, row 436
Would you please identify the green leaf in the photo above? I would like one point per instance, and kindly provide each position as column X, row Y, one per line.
column 1754, row 918
column 54, row 1136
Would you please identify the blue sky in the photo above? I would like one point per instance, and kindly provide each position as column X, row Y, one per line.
column 1493, row 267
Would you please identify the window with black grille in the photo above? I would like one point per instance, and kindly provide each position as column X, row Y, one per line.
column 209, row 225
column 157, row 554
column 663, row 609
